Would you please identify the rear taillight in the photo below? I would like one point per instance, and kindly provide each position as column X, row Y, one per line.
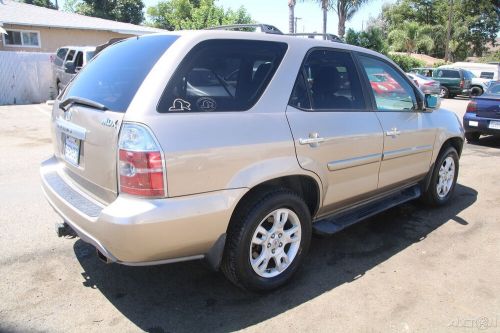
column 462, row 83
column 429, row 84
column 471, row 107
column 140, row 166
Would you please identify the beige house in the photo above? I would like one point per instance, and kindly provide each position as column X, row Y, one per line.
column 37, row 29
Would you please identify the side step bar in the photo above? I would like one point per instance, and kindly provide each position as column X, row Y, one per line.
column 342, row 220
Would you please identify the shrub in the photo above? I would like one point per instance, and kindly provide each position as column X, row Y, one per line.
column 406, row 62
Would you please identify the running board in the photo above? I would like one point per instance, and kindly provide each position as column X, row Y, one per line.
column 342, row 220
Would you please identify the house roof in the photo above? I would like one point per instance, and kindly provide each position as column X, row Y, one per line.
column 13, row 12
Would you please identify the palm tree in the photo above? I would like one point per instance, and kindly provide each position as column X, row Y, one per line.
column 410, row 37
column 345, row 10
column 291, row 16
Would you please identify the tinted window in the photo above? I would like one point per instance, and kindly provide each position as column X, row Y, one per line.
column 391, row 91
column 222, row 75
column 332, row 81
column 70, row 56
column 300, row 95
column 60, row 57
column 494, row 89
column 487, row 75
column 449, row 74
column 114, row 76
column 79, row 59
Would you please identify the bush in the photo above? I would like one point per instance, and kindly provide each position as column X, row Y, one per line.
column 440, row 63
column 406, row 62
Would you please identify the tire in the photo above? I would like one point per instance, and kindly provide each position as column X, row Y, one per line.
column 476, row 91
column 472, row 136
column 441, row 188
column 242, row 237
column 444, row 92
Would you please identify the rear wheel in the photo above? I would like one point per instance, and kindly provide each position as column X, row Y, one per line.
column 476, row 91
column 443, row 92
column 443, row 178
column 267, row 240
column 472, row 136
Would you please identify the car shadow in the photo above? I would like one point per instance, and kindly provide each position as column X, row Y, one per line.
column 490, row 141
column 190, row 297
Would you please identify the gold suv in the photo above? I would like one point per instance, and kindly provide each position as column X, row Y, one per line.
column 236, row 146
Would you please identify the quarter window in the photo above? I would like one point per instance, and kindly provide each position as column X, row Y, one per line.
column 391, row 91
column 222, row 75
column 22, row 38
column 331, row 81
column 487, row 75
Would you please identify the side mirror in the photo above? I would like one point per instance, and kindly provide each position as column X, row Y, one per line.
column 431, row 102
column 69, row 67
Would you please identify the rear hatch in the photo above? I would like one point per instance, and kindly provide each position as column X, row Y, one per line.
column 88, row 116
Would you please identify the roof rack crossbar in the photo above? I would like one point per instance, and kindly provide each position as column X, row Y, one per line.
column 265, row 28
column 326, row 36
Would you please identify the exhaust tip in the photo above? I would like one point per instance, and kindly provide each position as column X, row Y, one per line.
column 102, row 257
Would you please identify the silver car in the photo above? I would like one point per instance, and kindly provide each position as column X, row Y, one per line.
column 236, row 146
column 425, row 84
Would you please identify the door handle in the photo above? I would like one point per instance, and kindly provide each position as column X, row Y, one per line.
column 393, row 132
column 313, row 140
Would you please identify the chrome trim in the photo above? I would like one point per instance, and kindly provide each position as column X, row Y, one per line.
column 352, row 162
column 71, row 129
column 311, row 141
column 161, row 262
column 405, row 152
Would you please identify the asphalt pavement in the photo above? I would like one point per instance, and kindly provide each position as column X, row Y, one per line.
column 409, row 269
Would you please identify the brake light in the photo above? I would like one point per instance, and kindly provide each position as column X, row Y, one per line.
column 471, row 107
column 429, row 84
column 140, row 166
column 462, row 83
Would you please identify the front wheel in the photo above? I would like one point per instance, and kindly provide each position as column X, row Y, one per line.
column 476, row 91
column 267, row 240
column 443, row 178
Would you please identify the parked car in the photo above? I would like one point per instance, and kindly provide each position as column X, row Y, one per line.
column 453, row 81
column 426, row 84
column 425, row 71
column 483, row 114
column 69, row 60
column 159, row 159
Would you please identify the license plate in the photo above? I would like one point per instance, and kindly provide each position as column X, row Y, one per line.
column 72, row 150
column 494, row 125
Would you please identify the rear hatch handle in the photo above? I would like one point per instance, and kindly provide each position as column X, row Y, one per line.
column 69, row 101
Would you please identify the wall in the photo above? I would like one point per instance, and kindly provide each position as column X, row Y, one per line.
column 25, row 78
column 53, row 38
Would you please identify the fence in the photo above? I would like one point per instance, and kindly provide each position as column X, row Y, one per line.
column 25, row 77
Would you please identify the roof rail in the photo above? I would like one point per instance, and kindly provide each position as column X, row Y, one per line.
column 330, row 37
column 265, row 28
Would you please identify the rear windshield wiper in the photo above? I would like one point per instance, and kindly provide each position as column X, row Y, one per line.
column 66, row 104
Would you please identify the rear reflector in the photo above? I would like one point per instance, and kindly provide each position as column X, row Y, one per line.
column 140, row 166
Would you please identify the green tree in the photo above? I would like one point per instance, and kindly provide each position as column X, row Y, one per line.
column 411, row 37
column 190, row 14
column 129, row 11
column 345, row 10
column 41, row 3
column 372, row 38
column 474, row 23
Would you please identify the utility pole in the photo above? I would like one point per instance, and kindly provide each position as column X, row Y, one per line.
column 296, row 19
column 291, row 16
column 448, row 33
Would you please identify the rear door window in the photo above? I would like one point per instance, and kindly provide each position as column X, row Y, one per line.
column 331, row 80
column 449, row 74
column 116, row 73
column 222, row 75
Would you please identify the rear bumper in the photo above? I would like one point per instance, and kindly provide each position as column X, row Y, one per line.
column 482, row 124
column 134, row 231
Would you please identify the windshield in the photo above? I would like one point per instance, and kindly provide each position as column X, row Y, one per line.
column 494, row 88
column 113, row 77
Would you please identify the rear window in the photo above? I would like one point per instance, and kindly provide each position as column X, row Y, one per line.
column 114, row 76
column 222, row 75
column 487, row 75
